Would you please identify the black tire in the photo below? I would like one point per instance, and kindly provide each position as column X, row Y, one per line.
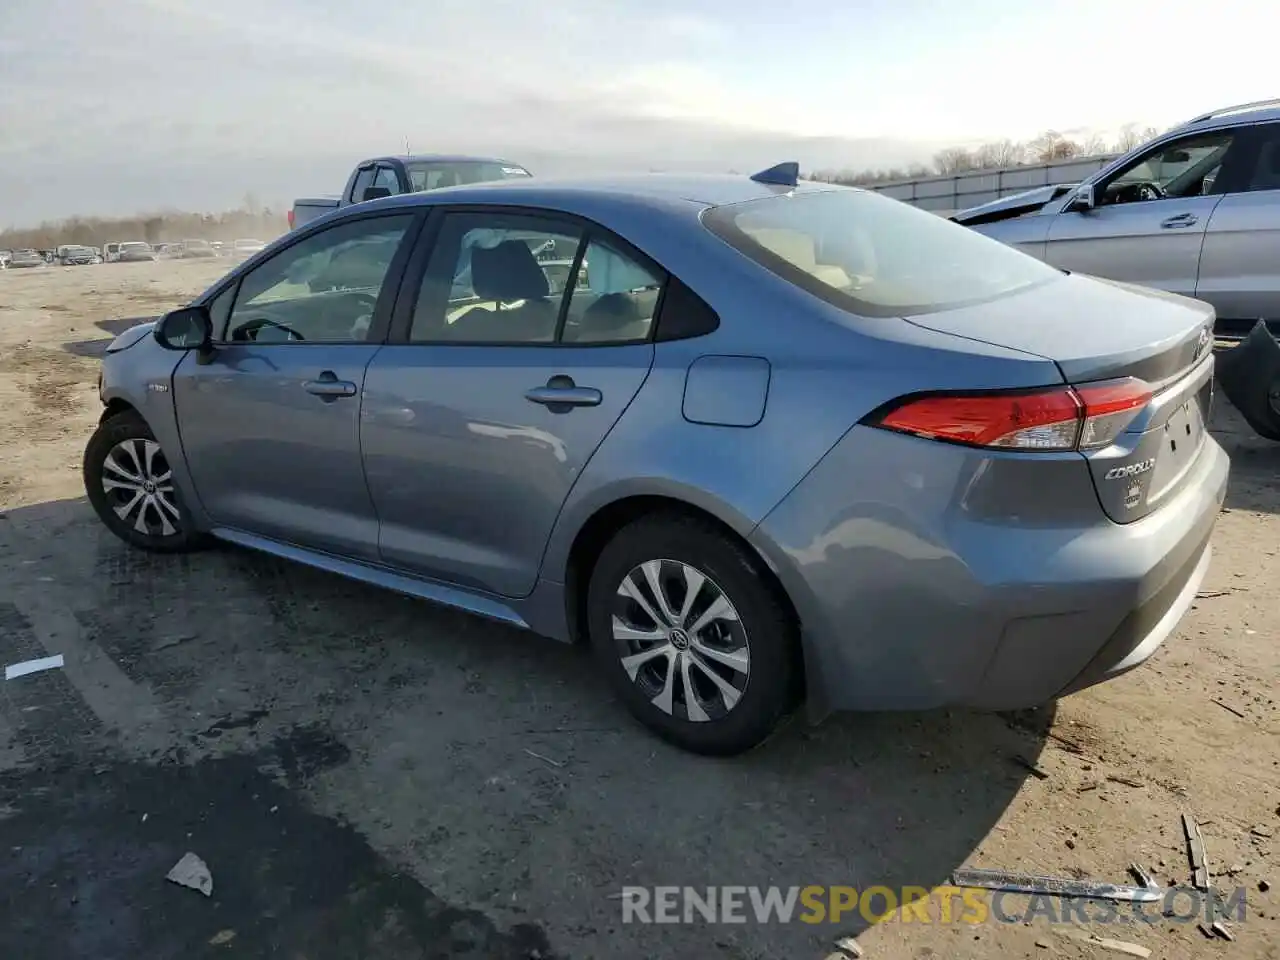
column 769, row 634
column 121, row 429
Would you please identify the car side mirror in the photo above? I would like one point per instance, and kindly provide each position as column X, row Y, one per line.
column 1083, row 200
column 376, row 193
column 187, row 328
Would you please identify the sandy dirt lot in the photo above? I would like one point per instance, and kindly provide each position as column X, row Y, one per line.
column 370, row 776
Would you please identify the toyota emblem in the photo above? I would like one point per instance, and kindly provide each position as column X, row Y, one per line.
column 1201, row 344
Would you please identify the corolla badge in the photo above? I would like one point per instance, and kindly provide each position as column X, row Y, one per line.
column 1132, row 470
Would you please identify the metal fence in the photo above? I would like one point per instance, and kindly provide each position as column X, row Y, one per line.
column 946, row 195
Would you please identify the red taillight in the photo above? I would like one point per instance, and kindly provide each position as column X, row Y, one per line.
column 290, row 219
column 1059, row 418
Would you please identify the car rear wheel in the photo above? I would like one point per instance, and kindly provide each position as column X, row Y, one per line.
column 129, row 481
column 692, row 635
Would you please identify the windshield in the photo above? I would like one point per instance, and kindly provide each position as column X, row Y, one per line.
column 436, row 174
column 871, row 255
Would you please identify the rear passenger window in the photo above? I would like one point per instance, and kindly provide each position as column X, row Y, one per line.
column 496, row 278
column 1266, row 171
column 505, row 278
column 386, row 177
column 614, row 300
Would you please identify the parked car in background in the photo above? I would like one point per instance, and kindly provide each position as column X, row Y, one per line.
column 1003, row 491
column 1194, row 212
column 4, row 258
column 246, row 248
column 391, row 176
column 194, row 249
column 74, row 255
column 110, row 252
column 135, row 251
column 26, row 258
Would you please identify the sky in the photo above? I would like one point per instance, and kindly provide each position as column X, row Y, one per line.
column 114, row 107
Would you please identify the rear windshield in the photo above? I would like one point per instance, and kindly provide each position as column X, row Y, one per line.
column 874, row 256
column 433, row 175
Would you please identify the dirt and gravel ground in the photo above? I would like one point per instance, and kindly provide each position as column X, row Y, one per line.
column 370, row 776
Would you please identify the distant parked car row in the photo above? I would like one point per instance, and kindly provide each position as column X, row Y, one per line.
column 23, row 258
column 131, row 251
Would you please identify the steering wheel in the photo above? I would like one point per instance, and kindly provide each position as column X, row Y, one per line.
column 244, row 331
column 1150, row 191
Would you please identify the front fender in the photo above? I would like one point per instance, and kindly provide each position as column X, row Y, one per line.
column 141, row 377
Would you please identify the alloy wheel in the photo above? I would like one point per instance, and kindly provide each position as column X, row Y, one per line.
column 681, row 640
column 138, row 483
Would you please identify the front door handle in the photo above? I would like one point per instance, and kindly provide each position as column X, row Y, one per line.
column 1181, row 220
column 562, row 392
column 328, row 387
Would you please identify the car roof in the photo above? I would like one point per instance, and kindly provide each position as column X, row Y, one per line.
column 1245, row 114
column 438, row 158
column 584, row 195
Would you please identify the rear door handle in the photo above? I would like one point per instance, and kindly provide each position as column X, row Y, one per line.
column 561, row 391
column 1181, row 220
column 329, row 387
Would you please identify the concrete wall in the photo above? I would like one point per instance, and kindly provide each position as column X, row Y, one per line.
column 946, row 195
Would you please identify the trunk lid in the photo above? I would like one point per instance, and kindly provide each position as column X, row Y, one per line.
column 1097, row 330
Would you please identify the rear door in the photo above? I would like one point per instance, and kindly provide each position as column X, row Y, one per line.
column 270, row 423
column 1150, row 221
column 1240, row 263
column 505, row 375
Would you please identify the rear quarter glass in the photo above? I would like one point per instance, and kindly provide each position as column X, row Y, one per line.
column 874, row 256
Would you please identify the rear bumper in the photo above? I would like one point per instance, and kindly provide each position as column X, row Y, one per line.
column 914, row 599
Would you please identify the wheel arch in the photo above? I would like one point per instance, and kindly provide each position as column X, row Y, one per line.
column 603, row 525
column 116, row 406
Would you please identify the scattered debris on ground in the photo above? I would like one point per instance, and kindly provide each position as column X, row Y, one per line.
column 192, row 872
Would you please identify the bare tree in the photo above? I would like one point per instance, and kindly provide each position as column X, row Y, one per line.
column 1000, row 154
column 1095, row 146
column 1051, row 145
column 1131, row 136
column 954, row 160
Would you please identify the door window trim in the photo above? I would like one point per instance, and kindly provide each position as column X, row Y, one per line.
column 415, row 270
column 391, row 283
column 355, row 181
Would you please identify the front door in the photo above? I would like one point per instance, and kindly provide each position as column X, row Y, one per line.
column 1149, row 225
column 270, row 424
column 529, row 339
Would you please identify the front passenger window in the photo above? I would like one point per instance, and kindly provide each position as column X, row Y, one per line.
column 320, row 290
column 1183, row 168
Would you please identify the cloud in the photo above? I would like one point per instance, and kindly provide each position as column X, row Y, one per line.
column 138, row 104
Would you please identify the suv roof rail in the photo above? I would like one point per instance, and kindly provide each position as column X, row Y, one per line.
column 1237, row 108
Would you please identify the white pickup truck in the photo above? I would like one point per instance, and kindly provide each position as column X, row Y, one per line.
column 387, row 176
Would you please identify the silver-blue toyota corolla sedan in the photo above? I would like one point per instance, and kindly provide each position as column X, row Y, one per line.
column 759, row 442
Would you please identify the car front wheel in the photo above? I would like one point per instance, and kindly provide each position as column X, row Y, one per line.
column 129, row 482
column 692, row 634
